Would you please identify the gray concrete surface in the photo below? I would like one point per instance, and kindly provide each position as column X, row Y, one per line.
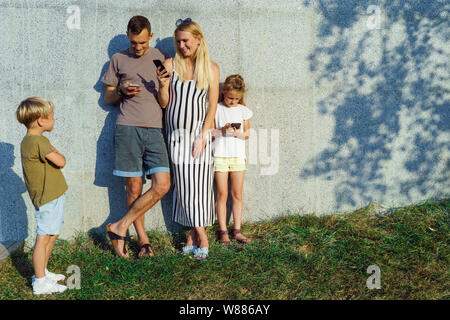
column 351, row 102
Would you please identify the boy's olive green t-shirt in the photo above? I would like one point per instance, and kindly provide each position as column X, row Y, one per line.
column 44, row 180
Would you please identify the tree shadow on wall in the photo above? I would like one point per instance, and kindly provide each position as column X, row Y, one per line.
column 392, row 105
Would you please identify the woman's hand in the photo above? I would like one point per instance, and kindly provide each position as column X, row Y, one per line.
column 216, row 133
column 163, row 77
column 164, row 82
column 198, row 147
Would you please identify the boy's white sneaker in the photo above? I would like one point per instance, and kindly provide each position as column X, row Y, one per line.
column 47, row 286
column 52, row 276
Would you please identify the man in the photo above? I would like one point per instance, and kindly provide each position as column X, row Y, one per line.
column 131, row 79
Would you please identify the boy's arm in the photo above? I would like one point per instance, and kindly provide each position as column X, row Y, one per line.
column 56, row 158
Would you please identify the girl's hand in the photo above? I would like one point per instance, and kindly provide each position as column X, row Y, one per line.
column 230, row 131
column 226, row 130
column 163, row 77
column 198, row 147
column 238, row 134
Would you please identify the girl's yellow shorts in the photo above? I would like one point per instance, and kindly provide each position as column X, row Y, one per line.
column 222, row 164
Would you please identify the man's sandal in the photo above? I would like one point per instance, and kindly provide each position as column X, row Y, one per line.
column 114, row 239
column 235, row 232
column 148, row 252
column 222, row 234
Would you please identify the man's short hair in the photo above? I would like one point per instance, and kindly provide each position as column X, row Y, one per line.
column 139, row 23
column 33, row 108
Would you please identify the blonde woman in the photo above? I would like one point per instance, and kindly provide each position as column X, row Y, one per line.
column 189, row 89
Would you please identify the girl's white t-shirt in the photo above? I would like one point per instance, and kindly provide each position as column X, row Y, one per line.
column 230, row 146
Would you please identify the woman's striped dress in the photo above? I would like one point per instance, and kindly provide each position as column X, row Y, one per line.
column 193, row 197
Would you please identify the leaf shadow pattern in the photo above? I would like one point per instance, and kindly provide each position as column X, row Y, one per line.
column 391, row 113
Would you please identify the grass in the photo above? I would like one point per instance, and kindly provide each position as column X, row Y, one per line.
column 293, row 257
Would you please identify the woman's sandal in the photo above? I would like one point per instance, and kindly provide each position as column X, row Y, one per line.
column 114, row 239
column 222, row 234
column 235, row 232
column 201, row 253
column 148, row 252
column 188, row 250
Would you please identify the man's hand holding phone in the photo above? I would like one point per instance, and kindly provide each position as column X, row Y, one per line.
column 130, row 89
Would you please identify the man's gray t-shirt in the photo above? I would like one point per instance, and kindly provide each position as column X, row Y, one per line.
column 141, row 110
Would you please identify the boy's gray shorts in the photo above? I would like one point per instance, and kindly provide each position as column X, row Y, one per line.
column 139, row 149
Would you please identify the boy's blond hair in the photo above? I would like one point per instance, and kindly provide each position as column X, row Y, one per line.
column 33, row 108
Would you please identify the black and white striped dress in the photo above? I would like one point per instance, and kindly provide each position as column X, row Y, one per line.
column 193, row 197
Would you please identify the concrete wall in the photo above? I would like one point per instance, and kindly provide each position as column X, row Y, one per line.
column 351, row 102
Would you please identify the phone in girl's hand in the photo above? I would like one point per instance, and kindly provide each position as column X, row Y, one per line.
column 236, row 125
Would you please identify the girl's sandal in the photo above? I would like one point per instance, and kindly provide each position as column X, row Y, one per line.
column 222, row 235
column 241, row 240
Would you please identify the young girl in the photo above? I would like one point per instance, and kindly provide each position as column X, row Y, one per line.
column 232, row 118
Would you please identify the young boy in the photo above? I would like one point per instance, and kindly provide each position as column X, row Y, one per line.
column 46, row 185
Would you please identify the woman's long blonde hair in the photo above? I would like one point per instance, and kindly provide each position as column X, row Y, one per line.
column 203, row 73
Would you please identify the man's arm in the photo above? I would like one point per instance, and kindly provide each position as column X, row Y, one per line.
column 111, row 96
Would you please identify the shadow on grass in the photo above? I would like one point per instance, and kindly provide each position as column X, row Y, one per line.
column 22, row 263
column 178, row 240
